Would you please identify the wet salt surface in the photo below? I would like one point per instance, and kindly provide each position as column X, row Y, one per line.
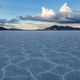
column 39, row 55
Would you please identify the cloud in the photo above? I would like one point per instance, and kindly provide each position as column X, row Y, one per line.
column 28, row 26
column 65, row 12
column 8, row 21
column 13, row 21
column 65, row 9
column 68, row 15
column 4, row 22
column 47, row 13
column 65, row 15
column 37, row 18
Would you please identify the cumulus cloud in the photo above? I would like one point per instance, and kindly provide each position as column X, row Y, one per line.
column 65, row 8
column 47, row 13
column 68, row 15
column 65, row 15
column 65, row 12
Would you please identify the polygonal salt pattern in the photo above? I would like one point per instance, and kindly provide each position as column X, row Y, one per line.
column 39, row 55
column 72, row 76
column 18, row 78
column 61, row 70
column 37, row 66
column 3, row 62
column 48, row 76
column 13, row 71
column 1, row 74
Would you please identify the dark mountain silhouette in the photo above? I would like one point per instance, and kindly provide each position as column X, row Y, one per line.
column 14, row 29
column 56, row 27
column 2, row 28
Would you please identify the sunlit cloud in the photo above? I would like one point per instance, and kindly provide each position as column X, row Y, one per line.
column 47, row 13
column 65, row 9
column 65, row 15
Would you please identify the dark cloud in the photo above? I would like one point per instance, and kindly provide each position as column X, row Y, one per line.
column 58, row 18
column 70, row 21
column 65, row 15
column 13, row 21
column 37, row 18
column 3, row 22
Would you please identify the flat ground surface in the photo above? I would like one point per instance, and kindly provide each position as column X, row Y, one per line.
column 40, row 55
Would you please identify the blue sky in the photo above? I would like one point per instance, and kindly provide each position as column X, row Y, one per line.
column 12, row 9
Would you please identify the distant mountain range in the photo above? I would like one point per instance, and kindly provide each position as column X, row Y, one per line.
column 55, row 27
column 2, row 28
column 14, row 29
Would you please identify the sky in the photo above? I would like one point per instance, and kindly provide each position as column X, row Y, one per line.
column 35, row 14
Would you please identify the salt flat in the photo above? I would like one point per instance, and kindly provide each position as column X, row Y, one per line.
column 39, row 55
